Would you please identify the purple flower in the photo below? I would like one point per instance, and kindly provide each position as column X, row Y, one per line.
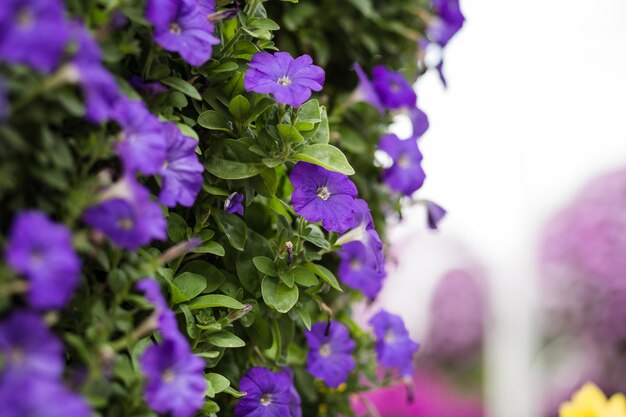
column 419, row 122
column 322, row 195
column 435, row 214
column 364, row 231
column 359, row 270
column 99, row 86
column 182, row 26
column 150, row 88
column 330, row 355
column 394, row 348
column 143, row 144
column 450, row 21
column 175, row 378
column 127, row 215
column 393, row 89
column 234, row 204
column 289, row 80
column 42, row 251
column 29, row 348
column 367, row 91
column 268, row 394
column 39, row 397
column 406, row 174
column 206, row 7
column 166, row 318
column 181, row 171
column 33, row 33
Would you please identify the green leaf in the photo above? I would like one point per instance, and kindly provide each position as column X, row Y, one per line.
column 324, row 274
column 313, row 234
column 190, row 321
column 326, row 156
column 225, row 339
column 182, row 86
column 289, row 133
column 287, row 277
column 213, row 277
column 211, row 189
column 190, row 285
column 233, row 227
column 239, row 107
column 322, row 135
column 304, row 316
column 232, row 160
column 211, row 247
column 212, row 120
column 260, row 27
column 214, row 300
column 303, row 276
column 308, row 116
column 234, row 392
column 265, row 265
column 176, row 228
column 218, row 382
column 279, row 296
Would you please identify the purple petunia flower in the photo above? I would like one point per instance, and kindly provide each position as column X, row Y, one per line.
column 393, row 89
column 406, row 174
column 367, row 91
column 323, row 195
column 435, row 214
column 182, row 26
column 143, row 144
column 175, row 378
column 150, row 88
column 359, row 270
column 449, row 22
column 394, row 348
column 167, row 324
column 42, row 251
column 127, row 215
column 33, row 33
column 29, row 348
column 330, row 355
column 289, row 80
column 268, row 394
column 234, row 204
column 419, row 122
column 181, row 171
column 39, row 397
column 99, row 86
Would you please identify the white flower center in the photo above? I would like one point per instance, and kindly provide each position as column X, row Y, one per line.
column 389, row 336
column 325, row 350
column 266, row 400
column 175, row 28
column 168, row 375
column 403, row 161
column 323, row 193
column 24, row 17
column 125, row 223
column 284, row 80
column 355, row 264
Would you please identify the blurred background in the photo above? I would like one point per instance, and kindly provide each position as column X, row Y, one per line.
column 527, row 152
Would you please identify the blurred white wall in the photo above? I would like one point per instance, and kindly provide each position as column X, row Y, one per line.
column 535, row 107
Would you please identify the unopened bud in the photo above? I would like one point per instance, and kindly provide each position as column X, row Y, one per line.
column 237, row 314
column 289, row 248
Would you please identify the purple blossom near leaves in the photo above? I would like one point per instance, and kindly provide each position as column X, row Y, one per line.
column 234, row 204
column 368, row 93
column 359, row 270
column 34, row 33
column 268, row 394
column 330, row 355
column 175, row 378
column 42, row 251
column 406, row 174
column 29, row 348
column 394, row 348
column 393, row 89
column 181, row 171
column 364, row 225
column 435, row 214
column 143, row 144
column 290, row 80
column 151, row 89
column 41, row 397
column 127, row 215
column 206, row 7
column 182, row 26
column 323, row 195
column 449, row 22
column 419, row 122
column 166, row 319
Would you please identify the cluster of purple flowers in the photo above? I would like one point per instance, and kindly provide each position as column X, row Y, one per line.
column 394, row 347
column 31, row 371
column 175, row 378
column 268, row 394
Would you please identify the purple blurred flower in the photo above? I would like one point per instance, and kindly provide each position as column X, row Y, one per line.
column 166, row 318
column 367, row 91
column 435, row 214
column 393, row 89
column 29, row 348
column 206, row 7
column 268, row 394
column 182, row 26
column 394, row 347
column 322, row 195
column 181, row 171
column 363, row 225
column 33, row 33
column 175, row 378
column 152, row 89
column 42, row 251
column 41, row 397
column 419, row 122
column 289, row 80
column 449, row 22
column 330, row 356
column 406, row 174
column 359, row 270
column 143, row 144
column 99, row 86
column 127, row 215
column 456, row 327
column 234, row 204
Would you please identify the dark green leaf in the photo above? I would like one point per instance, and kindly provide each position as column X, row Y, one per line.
column 326, row 156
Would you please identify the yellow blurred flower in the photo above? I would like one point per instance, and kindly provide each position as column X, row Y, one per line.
column 589, row 401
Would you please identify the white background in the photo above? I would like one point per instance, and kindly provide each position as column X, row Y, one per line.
column 534, row 109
